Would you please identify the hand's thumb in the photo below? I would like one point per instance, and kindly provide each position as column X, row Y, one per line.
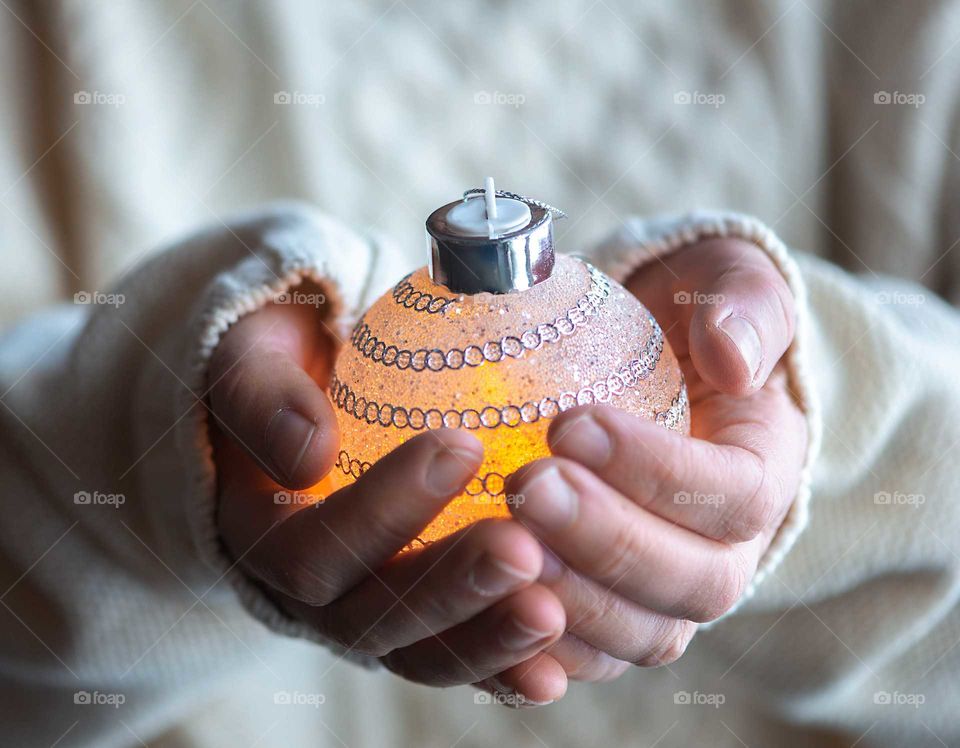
column 743, row 327
column 263, row 398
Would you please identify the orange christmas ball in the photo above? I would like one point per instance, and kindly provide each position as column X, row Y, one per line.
column 498, row 364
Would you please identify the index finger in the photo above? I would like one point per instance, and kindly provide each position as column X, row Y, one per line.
column 732, row 487
column 315, row 553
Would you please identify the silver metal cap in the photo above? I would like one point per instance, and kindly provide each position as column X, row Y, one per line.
column 513, row 261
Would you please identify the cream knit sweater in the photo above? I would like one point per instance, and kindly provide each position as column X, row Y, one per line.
column 851, row 632
column 119, row 585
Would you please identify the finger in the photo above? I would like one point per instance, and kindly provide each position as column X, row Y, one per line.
column 421, row 594
column 263, row 397
column 606, row 537
column 727, row 486
column 609, row 623
column 537, row 681
column 746, row 321
column 504, row 635
column 737, row 309
column 584, row 662
column 317, row 553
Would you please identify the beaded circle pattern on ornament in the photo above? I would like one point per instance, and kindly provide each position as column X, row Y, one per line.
column 491, row 351
column 673, row 416
column 375, row 347
column 401, row 417
column 490, row 484
column 406, row 295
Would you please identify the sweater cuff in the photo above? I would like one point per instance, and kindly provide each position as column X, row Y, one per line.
column 289, row 247
column 644, row 241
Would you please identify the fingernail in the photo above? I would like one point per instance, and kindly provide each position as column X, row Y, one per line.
column 745, row 336
column 499, row 686
column 586, row 441
column 450, row 470
column 491, row 576
column 288, row 436
column 516, row 700
column 549, row 502
column 525, row 702
column 515, row 635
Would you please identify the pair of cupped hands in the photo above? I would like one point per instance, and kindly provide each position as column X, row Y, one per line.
column 600, row 567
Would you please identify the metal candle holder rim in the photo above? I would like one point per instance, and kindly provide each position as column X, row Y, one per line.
column 514, row 261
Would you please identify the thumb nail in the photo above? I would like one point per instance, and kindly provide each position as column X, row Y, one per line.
column 288, row 436
column 747, row 340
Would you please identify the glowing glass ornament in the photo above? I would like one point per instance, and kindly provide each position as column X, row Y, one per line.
column 498, row 335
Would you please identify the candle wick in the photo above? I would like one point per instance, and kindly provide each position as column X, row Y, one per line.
column 490, row 196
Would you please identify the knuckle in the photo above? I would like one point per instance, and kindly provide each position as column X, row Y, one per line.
column 306, row 575
column 237, row 394
column 670, row 644
column 381, row 522
column 754, row 515
column 589, row 665
column 614, row 669
column 308, row 582
column 349, row 628
column 597, row 609
column 435, row 671
column 371, row 644
column 727, row 587
column 623, row 554
column 438, row 608
column 594, row 614
column 656, row 471
column 660, row 474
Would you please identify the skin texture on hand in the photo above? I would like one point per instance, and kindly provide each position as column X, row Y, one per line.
column 646, row 532
column 459, row 611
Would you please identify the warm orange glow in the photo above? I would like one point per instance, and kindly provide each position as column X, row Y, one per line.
column 501, row 366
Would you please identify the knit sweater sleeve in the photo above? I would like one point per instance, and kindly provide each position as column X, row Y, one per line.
column 114, row 582
column 853, row 619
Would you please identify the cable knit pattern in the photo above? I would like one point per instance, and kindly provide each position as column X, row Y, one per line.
column 640, row 242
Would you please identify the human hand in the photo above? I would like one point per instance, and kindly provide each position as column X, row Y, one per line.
column 651, row 532
column 458, row 611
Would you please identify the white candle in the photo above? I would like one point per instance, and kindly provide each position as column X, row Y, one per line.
column 491, row 217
